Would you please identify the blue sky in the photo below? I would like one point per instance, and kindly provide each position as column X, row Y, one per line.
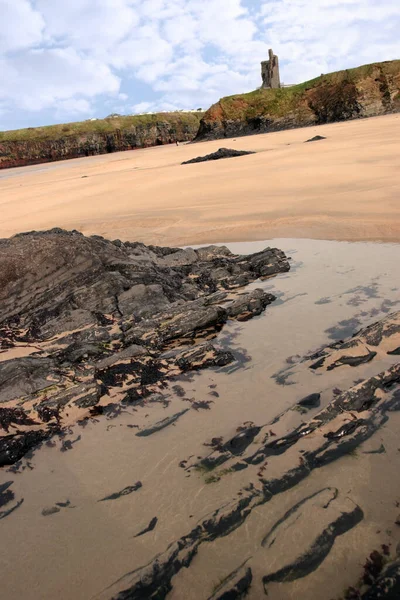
column 75, row 60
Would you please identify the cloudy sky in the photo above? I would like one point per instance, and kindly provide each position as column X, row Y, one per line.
column 76, row 59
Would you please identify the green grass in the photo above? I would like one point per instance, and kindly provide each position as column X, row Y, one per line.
column 281, row 102
column 108, row 125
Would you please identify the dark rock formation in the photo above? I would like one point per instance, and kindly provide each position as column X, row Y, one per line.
column 6, row 497
column 221, row 153
column 161, row 424
column 235, row 585
column 46, row 512
column 149, row 527
column 360, row 349
column 311, row 401
column 319, row 547
column 98, row 317
column 125, row 492
column 74, row 140
column 316, row 138
column 154, row 580
column 270, row 72
column 366, row 91
column 387, row 586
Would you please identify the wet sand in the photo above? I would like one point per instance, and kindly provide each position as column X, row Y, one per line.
column 346, row 187
column 332, row 290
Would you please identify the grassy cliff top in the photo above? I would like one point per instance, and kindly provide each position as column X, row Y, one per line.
column 279, row 102
column 107, row 125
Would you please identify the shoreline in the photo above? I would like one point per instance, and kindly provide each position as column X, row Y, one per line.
column 281, row 424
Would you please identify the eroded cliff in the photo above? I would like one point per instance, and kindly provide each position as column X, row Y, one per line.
column 74, row 140
column 366, row 91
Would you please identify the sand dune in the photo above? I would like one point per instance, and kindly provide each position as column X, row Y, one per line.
column 346, row 187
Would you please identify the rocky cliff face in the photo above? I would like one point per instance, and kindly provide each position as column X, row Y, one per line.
column 74, row 140
column 366, row 91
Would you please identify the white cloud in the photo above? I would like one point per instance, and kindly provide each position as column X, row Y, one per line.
column 177, row 53
column 84, row 24
column 21, row 25
column 40, row 79
column 329, row 35
column 145, row 46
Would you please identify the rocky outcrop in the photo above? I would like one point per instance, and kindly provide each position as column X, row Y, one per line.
column 74, row 140
column 326, row 514
column 89, row 325
column 366, row 91
column 221, row 153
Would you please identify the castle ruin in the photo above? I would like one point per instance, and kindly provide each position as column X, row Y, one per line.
column 270, row 71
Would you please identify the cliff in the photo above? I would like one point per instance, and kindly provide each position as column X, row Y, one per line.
column 365, row 91
column 72, row 140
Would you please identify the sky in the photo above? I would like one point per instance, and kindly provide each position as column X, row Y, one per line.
column 73, row 60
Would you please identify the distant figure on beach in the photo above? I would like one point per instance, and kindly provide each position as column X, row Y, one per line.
column 177, row 143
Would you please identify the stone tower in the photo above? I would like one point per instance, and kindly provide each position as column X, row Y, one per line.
column 270, row 72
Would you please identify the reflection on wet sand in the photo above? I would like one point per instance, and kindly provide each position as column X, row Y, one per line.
column 276, row 483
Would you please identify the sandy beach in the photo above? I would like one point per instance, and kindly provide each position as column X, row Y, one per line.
column 345, row 187
column 101, row 502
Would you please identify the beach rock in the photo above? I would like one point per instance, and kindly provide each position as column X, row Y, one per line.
column 319, row 548
column 325, row 517
column 161, row 424
column 311, row 401
column 235, row 585
column 7, row 496
column 387, row 586
column 326, row 514
column 14, row 447
column 125, row 492
column 149, row 527
column 46, row 512
column 316, row 138
column 221, row 153
column 361, row 347
column 97, row 318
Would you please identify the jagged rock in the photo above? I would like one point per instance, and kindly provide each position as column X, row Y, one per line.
column 161, row 424
column 149, row 527
column 323, row 513
column 17, row 416
column 99, row 317
column 316, row 138
column 7, row 496
column 14, row 447
column 249, row 304
column 357, row 350
column 338, row 515
column 234, row 447
column 221, row 153
column 23, row 376
column 311, row 401
column 125, row 492
column 387, row 586
column 235, row 586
